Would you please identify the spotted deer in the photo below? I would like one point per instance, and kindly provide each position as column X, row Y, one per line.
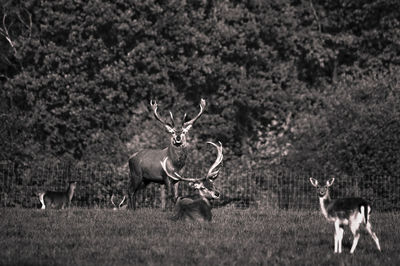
column 144, row 166
column 58, row 199
column 197, row 207
column 344, row 211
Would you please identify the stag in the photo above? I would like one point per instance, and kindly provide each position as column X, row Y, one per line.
column 197, row 207
column 144, row 165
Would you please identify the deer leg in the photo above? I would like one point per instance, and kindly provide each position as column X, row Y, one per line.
column 163, row 196
column 176, row 187
column 373, row 235
column 131, row 196
column 165, row 188
column 338, row 237
column 356, row 235
column 341, row 232
column 133, row 188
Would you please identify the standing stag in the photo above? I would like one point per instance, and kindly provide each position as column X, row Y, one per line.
column 197, row 208
column 144, row 165
column 344, row 211
column 58, row 199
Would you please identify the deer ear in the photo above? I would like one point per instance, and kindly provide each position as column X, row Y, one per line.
column 314, row 182
column 330, row 182
column 187, row 128
column 170, row 129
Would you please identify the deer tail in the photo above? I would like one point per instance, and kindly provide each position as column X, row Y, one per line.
column 365, row 210
column 41, row 198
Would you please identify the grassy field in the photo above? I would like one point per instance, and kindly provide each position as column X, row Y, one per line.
column 234, row 237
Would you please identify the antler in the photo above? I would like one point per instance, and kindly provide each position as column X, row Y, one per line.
column 175, row 176
column 112, row 201
column 211, row 173
column 119, row 205
column 189, row 123
column 172, row 118
column 154, row 106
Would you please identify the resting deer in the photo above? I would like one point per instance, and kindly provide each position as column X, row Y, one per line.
column 53, row 199
column 144, row 165
column 344, row 211
column 120, row 206
column 197, row 208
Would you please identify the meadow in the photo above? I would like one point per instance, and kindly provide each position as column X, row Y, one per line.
column 79, row 236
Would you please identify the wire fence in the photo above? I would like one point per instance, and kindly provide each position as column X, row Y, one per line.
column 259, row 188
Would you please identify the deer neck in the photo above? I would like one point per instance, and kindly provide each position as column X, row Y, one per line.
column 177, row 155
column 204, row 198
column 323, row 203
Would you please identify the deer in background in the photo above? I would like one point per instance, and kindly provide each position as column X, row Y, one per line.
column 120, row 206
column 55, row 199
column 144, row 166
column 344, row 211
column 197, row 208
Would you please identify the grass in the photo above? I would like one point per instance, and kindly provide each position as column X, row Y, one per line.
column 234, row 237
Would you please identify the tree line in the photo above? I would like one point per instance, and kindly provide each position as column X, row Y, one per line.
column 310, row 86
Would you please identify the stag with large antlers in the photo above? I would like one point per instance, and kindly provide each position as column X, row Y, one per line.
column 144, row 165
column 197, row 208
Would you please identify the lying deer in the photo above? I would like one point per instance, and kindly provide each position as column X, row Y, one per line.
column 344, row 211
column 53, row 199
column 120, row 206
column 144, row 167
column 197, row 207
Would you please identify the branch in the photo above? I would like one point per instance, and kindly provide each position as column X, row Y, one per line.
column 3, row 77
column 288, row 119
column 4, row 32
column 316, row 16
column 29, row 27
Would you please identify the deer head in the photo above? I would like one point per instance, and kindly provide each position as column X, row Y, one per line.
column 204, row 185
column 120, row 206
column 322, row 190
column 178, row 132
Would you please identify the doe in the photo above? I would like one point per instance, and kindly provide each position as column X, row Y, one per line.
column 344, row 211
column 57, row 199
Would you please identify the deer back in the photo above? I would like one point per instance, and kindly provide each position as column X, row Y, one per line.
column 193, row 209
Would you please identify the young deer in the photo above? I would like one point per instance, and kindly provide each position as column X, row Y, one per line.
column 55, row 199
column 344, row 211
column 197, row 208
column 120, row 206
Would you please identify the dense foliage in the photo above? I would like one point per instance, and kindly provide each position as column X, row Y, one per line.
column 310, row 86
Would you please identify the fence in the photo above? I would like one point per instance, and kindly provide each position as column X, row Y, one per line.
column 260, row 188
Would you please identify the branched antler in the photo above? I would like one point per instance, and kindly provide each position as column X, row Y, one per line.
column 212, row 173
column 190, row 122
column 154, row 106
